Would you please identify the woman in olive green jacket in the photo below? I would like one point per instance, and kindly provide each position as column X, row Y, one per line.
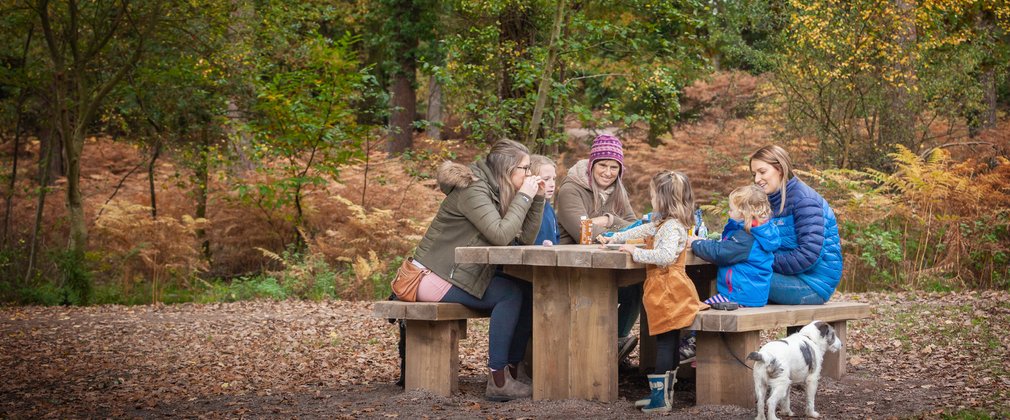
column 495, row 201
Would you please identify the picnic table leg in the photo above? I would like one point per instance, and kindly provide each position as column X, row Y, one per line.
column 433, row 356
column 574, row 333
column 724, row 375
column 834, row 363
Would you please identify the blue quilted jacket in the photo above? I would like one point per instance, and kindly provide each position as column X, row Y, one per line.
column 811, row 248
column 744, row 260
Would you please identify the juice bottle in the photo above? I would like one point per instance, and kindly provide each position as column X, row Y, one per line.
column 586, row 230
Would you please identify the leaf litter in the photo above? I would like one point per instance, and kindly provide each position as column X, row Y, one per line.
column 918, row 355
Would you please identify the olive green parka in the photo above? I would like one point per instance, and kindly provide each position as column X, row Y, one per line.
column 469, row 216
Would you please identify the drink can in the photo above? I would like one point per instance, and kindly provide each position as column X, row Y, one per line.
column 586, row 232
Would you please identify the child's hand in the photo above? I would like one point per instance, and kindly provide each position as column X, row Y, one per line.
column 692, row 238
column 628, row 248
column 602, row 239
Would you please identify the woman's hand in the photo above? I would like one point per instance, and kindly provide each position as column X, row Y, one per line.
column 530, row 185
column 602, row 221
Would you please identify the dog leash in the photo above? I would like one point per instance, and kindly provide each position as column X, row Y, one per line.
column 725, row 343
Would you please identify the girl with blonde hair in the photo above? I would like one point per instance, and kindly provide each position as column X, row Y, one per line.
column 670, row 299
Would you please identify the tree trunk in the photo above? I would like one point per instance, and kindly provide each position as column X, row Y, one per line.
column 547, row 76
column 78, row 240
column 434, row 114
column 897, row 117
column 155, row 152
column 22, row 96
column 241, row 34
column 403, row 104
column 14, row 175
column 52, row 143
column 518, row 34
column 202, row 173
column 979, row 121
column 989, row 95
column 45, row 159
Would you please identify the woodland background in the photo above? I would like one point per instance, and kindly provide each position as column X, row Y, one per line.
column 199, row 150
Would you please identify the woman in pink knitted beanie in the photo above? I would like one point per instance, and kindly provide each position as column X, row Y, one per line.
column 593, row 188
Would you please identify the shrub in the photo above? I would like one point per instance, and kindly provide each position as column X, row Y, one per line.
column 138, row 248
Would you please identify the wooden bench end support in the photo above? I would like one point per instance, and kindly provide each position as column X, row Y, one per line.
column 433, row 356
column 726, row 379
column 834, row 363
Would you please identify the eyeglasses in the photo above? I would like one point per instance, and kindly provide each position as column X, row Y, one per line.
column 526, row 169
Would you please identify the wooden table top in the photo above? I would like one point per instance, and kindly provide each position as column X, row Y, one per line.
column 586, row 256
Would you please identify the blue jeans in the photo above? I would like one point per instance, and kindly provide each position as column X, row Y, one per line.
column 511, row 321
column 792, row 290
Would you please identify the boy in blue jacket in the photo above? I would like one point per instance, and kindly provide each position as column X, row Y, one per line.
column 746, row 252
column 544, row 167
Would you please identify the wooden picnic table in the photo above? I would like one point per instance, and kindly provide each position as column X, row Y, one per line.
column 574, row 312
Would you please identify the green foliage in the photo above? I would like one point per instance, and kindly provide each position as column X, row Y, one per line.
column 76, row 288
column 304, row 277
column 974, row 414
column 863, row 76
column 423, row 163
column 627, row 60
column 304, row 121
column 928, row 225
column 747, row 34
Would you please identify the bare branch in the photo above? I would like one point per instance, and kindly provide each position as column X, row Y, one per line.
column 946, row 145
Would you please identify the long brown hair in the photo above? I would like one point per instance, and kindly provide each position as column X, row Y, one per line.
column 752, row 203
column 674, row 198
column 778, row 158
column 502, row 159
column 622, row 204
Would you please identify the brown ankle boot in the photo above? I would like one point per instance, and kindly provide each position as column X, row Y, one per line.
column 518, row 372
column 511, row 390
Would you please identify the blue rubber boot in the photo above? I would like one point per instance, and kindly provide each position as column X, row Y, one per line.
column 671, row 380
column 659, row 401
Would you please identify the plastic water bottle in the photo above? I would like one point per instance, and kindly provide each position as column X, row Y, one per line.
column 646, row 218
column 699, row 225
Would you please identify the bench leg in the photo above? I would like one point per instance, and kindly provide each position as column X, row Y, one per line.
column 722, row 376
column 834, row 363
column 433, row 356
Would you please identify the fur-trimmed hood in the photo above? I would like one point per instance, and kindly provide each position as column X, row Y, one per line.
column 579, row 174
column 453, row 175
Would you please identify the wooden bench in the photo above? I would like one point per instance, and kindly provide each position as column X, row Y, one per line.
column 433, row 334
column 725, row 338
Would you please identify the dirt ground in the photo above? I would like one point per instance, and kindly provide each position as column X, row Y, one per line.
column 918, row 356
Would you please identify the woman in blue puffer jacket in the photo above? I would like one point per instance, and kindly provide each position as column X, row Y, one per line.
column 808, row 264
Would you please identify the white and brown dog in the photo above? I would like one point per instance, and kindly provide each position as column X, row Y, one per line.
column 798, row 358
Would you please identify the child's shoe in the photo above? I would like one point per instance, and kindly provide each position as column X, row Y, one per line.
column 688, row 348
column 661, row 396
column 625, row 345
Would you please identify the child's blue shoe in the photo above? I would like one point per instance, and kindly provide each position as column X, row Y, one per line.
column 661, row 387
